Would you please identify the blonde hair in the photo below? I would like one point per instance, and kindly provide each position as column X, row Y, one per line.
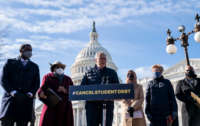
column 158, row 66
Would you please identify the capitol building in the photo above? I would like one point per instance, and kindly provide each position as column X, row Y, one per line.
column 86, row 59
column 83, row 62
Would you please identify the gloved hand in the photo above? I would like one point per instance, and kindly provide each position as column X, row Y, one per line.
column 130, row 111
column 149, row 117
column 191, row 100
column 13, row 93
column 174, row 115
column 29, row 94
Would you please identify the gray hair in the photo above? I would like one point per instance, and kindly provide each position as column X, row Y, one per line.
column 99, row 53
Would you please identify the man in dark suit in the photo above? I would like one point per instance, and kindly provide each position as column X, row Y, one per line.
column 99, row 74
column 20, row 81
column 190, row 110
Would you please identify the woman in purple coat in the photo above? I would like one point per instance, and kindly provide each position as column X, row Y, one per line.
column 62, row 113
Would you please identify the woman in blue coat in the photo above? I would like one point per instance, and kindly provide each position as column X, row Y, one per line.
column 161, row 106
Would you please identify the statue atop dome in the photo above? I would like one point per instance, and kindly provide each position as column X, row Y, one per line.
column 86, row 57
column 93, row 28
column 93, row 34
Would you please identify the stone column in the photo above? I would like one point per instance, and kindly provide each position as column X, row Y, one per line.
column 37, row 120
column 81, row 120
column 84, row 117
column 77, row 117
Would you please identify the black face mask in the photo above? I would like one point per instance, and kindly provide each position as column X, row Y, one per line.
column 27, row 54
column 191, row 74
column 130, row 76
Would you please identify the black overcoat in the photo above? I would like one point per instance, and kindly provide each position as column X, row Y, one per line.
column 23, row 79
column 190, row 111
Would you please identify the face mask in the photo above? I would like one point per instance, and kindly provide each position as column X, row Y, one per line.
column 157, row 75
column 59, row 71
column 27, row 54
column 130, row 76
column 190, row 74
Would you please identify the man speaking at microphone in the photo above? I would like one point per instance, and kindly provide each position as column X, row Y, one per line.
column 99, row 74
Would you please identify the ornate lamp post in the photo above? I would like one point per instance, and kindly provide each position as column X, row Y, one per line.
column 171, row 48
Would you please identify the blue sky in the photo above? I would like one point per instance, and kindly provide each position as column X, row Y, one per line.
column 133, row 31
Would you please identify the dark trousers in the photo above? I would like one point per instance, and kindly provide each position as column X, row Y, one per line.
column 6, row 122
column 94, row 117
column 161, row 122
column 175, row 123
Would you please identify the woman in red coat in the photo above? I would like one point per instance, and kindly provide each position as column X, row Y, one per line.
column 62, row 113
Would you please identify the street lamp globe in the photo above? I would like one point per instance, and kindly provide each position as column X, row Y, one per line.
column 171, row 49
column 197, row 36
column 181, row 28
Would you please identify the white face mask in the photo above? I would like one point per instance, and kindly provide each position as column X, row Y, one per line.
column 59, row 71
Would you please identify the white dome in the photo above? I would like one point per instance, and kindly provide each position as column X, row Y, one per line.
column 86, row 58
column 84, row 61
column 90, row 50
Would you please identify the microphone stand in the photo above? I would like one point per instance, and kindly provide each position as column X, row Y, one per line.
column 105, row 81
column 104, row 115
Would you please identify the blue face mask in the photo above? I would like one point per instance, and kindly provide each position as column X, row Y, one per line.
column 157, row 75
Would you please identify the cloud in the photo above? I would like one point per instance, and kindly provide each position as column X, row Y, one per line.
column 10, row 51
column 42, row 45
column 122, row 74
column 141, row 72
column 74, row 15
column 49, row 3
column 54, row 44
column 40, row 37
column 145, row 71
column 22, row 40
